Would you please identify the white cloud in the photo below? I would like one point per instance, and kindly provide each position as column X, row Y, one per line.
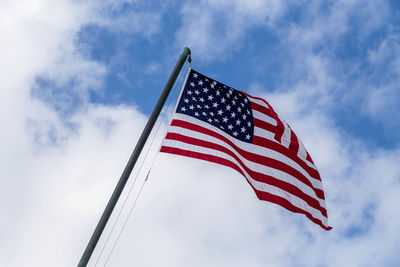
column 153, row 67
column 383, row 96
column 146, row 23
column 214, row 29
column 50, row 175
column 58, row 173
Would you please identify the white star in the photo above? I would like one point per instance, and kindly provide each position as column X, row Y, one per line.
column 244, row 116
column 206, row 106
column 205, row 90
column 223, row 100
column 193, row 98
column 195, row 75
column 248, row 124
column 192, row 84
column 235, row 98
column 233, row 102
column 206, row 80
column 191, row 107
column 228, row 95
column 212, row 113
column 220, row 112
column 235, row 133
column 248, row 112
column 215, row 105
column 209, row 120
column 212, row 86
column 196, row 92
column 242, row 129
column 242, row 105
column 225, row 119
column 233, row 114
column 222, row 127
column 183, row 109
column 245, row 100
column 228, row 107
column 217, row 92
column 186, row 100
column 238, row 122
column 239, row 109
column 247, row 136
column 200, row 82
column 216, row 120
column 210, row 97
column 189, row 92
column 196, row 114
column 198, row 106
column 230, row 127
column 201, row 99
column 204, row 114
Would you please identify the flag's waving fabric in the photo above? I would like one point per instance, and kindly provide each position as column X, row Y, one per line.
column 216, row 123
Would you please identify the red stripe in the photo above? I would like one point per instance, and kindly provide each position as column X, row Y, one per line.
column 261, row 195
column 264, row 142
column 292, row 151
column 279, row 148
column 309, row 158
column 259, row 98
column 273, row 163
column 255, row 157
column 289, row 206
column 255, row 175
column 280, row 128
column 294, row 142
column 264, row 125
column 261, row 108
column 267, row 111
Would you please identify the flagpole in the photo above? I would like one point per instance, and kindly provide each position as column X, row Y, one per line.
column 132, row 160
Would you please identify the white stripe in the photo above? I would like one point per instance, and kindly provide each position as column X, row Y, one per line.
column 264, row 134
column 294, row 200
column 271, row 136
column 259, row 132
column 302, row 151
column 258, row 101
column 302, row 154
column 286, row 136
column 278, row 174
column 263, row 117
column 263, row 151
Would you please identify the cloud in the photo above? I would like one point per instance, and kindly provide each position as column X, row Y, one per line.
column 48, row 184
column 58, row 170
column 319, row 63
column 146, row 23
column 382, row 95
column 214, row 29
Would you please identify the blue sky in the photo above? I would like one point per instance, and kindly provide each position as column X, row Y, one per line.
column 260, row 55
column 80, row 79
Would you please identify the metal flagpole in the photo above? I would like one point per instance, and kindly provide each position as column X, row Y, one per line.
column 132, row 160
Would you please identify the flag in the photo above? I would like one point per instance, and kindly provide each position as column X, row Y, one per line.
column 216, row 123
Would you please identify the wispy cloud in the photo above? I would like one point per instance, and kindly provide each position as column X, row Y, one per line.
column 58, row 171
column 213, row 29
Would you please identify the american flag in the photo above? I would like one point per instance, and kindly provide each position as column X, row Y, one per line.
column 216, row 123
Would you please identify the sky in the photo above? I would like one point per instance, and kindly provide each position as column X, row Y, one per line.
column 79, row 80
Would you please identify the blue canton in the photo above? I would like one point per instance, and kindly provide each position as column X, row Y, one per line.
column 217, row 104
